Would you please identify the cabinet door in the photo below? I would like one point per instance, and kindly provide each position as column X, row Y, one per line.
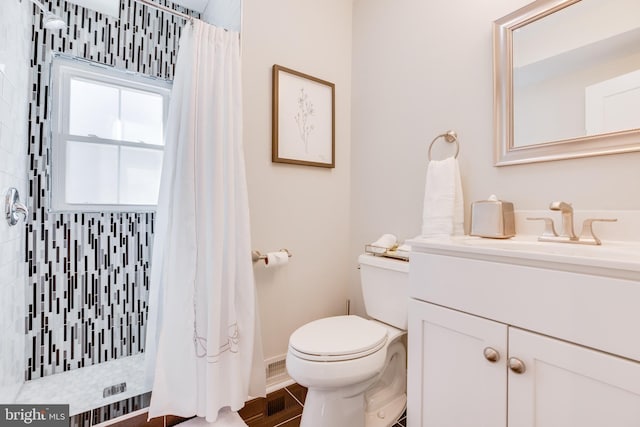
column 566, row 385
column 450, row 381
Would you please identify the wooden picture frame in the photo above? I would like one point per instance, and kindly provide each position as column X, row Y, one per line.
column 303, row 128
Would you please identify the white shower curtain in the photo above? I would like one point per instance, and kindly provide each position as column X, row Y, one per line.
column 203, row 346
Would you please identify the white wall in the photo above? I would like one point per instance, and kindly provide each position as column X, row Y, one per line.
column 301, row 208
column 14, row 79
column 420, row 68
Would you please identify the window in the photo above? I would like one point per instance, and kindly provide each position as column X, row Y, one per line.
column 107, row 131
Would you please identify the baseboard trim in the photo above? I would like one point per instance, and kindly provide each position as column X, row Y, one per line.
column 280, row 385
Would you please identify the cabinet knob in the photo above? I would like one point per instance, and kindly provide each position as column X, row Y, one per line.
column 517, row 365
column 491, row 354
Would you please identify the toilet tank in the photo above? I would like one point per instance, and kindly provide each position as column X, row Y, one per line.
column 385, row 289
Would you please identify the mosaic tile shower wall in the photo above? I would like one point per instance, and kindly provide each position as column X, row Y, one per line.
column 15, row 36
column 88, row 273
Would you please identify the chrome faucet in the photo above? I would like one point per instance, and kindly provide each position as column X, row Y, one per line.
column 567, row 219
column 568, row 235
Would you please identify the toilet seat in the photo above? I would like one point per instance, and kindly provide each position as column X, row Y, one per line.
column 337, row 338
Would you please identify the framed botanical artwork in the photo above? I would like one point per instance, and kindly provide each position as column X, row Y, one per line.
column 303, row 130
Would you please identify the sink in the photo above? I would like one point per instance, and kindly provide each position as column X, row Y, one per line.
column 619, row 259
column 582, row 294
column 611, row 250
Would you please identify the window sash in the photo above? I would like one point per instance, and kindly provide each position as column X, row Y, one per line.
column 63, row 70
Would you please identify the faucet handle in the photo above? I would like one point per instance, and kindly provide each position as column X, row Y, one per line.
column 561, row 206
column 549, row 228
column 587, row 235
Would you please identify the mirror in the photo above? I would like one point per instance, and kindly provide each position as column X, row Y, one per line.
column 567, row 80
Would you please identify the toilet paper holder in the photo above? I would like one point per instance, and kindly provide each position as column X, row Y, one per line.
column 257, row 256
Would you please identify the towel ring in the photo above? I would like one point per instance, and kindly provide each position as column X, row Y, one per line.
column 449, row 136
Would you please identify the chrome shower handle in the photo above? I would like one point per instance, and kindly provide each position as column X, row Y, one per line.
column 13, row 207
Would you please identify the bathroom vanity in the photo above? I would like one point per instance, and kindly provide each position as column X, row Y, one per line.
column 523, row 333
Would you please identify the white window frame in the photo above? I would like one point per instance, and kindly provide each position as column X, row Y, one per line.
column 63, row 69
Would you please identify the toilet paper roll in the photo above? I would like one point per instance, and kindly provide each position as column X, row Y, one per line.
column 276, row 258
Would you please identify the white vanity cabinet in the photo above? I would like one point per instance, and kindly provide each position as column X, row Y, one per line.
column 450, row 383
column 569, row 385
column 496, row 341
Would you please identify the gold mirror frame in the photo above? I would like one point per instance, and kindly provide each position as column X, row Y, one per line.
column 506, row 153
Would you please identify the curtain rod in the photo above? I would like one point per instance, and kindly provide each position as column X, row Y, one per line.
column 165, row 9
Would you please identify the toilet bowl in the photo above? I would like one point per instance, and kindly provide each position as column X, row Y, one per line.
column 355, row 368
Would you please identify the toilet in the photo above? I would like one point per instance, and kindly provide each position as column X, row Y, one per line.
column 355, row 368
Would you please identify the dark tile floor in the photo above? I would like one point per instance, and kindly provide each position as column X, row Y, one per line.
column 283, row 408
column 402, row 422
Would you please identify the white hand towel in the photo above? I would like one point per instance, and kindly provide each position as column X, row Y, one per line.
column 386, row 241
column 443, row 211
